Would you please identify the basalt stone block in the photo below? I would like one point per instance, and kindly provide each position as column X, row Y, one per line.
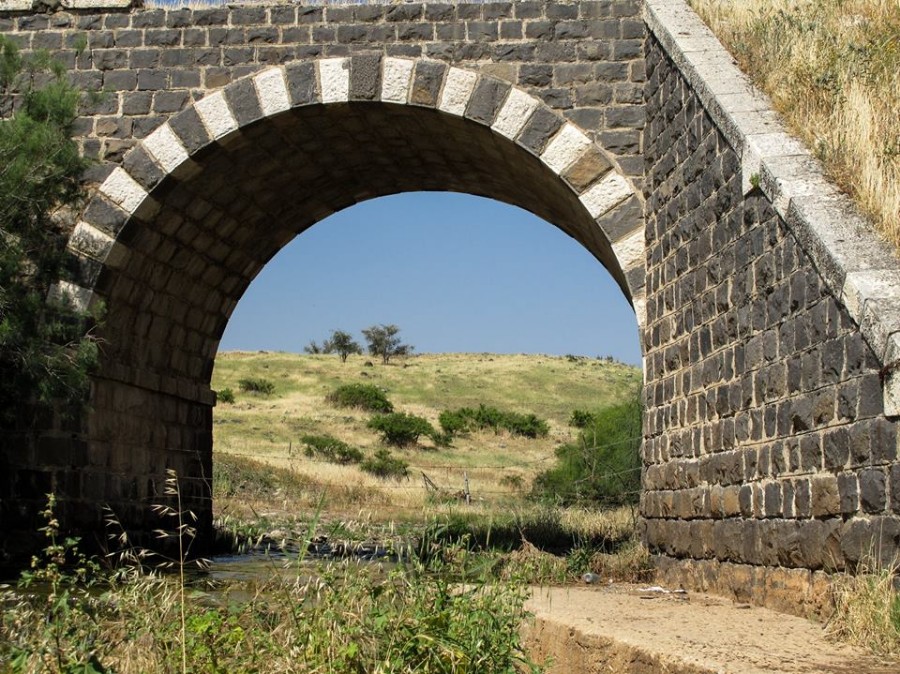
column 486, row 100
column 427, row 81
column 301, row 83
column 243, row 101
column 542, row 125
column 190, row 129
column 105, row 216
column 873, row 490
column 365, row 77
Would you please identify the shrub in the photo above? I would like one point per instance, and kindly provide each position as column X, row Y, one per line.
column 603, row 465
column 401, row 429
column 454, row 422
column 330, row 449
column 363, row 396
column 526, row 425
column 385, row 465
column 256, row 385
column 581, row 418
column 467, row 419
column 226, row 395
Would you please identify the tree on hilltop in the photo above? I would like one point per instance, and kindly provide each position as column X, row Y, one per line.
column 383, row 340
column 340, row 342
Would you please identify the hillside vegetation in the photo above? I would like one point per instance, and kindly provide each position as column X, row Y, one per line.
column 832, row 68
column 278, row 427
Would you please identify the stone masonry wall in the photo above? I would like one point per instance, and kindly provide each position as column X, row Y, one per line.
column 185, row 266
column 767, row 451
column 582, row 58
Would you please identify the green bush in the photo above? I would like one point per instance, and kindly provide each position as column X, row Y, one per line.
column 401, row 429
column 454, row 422
column 467, row 419
column 385, row 465
column 330, row 449
column 257, row 385
column 581, row 418
column 603, row 465
column 366, row 397
column 226, row 395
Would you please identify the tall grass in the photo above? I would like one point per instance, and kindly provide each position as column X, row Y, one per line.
column 832, row 68
column 867, row 608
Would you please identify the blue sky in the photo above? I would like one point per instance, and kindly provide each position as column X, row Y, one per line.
column 457, row 273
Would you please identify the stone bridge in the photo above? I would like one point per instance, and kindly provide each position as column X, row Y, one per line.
column 769, row 313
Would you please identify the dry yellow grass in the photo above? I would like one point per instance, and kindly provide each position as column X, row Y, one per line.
column 867, row 609
column 832, row 68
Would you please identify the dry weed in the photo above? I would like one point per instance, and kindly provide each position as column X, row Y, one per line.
column 832, row 68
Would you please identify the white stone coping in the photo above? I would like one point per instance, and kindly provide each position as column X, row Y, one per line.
column 25, row 5
column 859, row 268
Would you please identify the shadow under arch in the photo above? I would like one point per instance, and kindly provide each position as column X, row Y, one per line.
column 174, row 236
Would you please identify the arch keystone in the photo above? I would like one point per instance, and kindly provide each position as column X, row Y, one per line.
column 611, row 190
column 565, row 148
column 272, row 91
column 458, row 88
column 395, row 79
column 334, row 76
column 216, row 115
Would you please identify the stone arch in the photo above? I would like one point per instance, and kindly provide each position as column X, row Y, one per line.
column 173, row 237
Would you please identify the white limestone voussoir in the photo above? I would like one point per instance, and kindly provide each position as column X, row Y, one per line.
column 216, row 115
column 629, row 250
column 77, row 296
column 607, row 193
column 565, row 147
column 90, row 241
column 123, row 190
column 396, row 76
column 640, row 310
column 458, row 88
column 515, row 113
column 334, row 79
column 272, row 92
column 166, row 148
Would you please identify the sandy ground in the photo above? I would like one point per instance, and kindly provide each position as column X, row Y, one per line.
column 619, row 628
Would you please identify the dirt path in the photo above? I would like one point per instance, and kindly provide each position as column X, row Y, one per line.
column 618, row 629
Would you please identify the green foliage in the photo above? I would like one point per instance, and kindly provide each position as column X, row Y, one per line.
column 401, row 429
column 467, row 419
column 581, row 418
column 385, row 465
column 330, row 449
column 226, row 395
column 65, row 636
column 257, row 385
column 603, row 465
column 46, row 348
column 383, row 341
column 362, row 396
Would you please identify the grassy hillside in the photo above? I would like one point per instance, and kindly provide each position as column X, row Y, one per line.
column 500, row 466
